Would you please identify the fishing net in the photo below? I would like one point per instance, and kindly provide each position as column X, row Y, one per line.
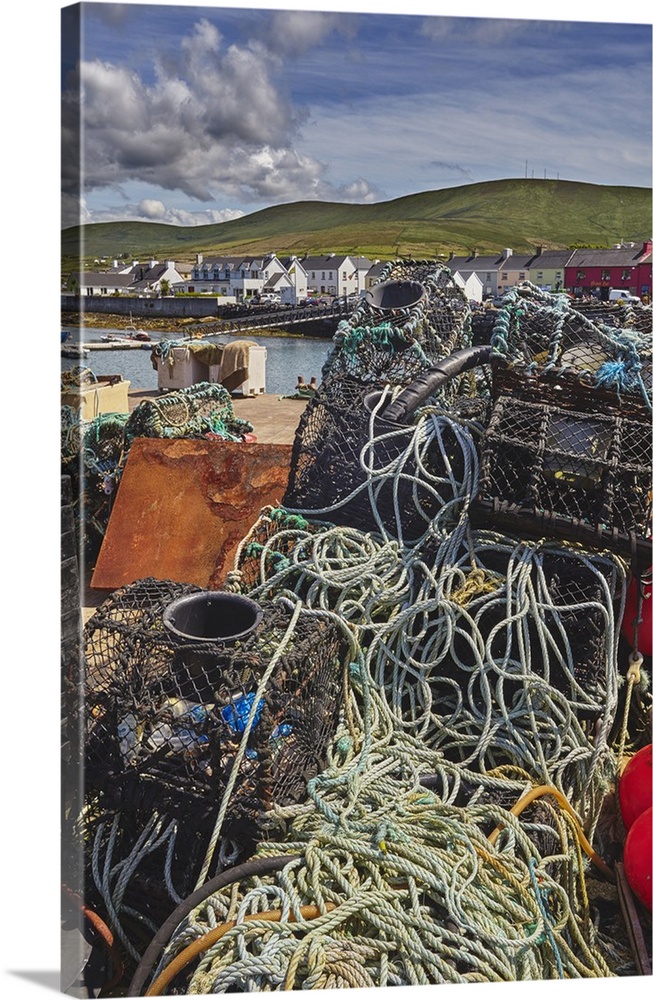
column 350, row 466
column 585, row 476
column 547, row 350
column 92, row 455
column 195, row 701
column 391, row 882
column 200, row 409
column 94, row 452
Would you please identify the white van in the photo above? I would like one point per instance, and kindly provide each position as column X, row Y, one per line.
column 622, row 295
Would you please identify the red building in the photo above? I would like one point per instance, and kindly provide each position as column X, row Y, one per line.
column 595, row 272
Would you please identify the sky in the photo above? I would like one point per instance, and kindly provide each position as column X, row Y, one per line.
column 199, row 114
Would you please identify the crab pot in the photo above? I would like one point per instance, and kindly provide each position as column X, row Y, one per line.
column 581, row 476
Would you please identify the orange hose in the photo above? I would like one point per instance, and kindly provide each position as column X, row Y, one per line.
column 536, row 793
column 186, row 956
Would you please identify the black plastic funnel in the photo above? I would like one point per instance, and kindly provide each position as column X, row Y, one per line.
column 389, row 295
column 200, row 625
column 212, row 616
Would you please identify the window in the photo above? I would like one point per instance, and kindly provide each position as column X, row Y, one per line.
column 504, row 275
column 626, row 274
column 605, row 274
column 522, row 275
column 322, row 278
column 580, row 275
column 540, row 276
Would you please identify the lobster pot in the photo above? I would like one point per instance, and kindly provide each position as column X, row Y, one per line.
column 193, row 412
column 588, row 476
column 546, row 349
column 352, row 468
column 170, row 688
column 180, row 369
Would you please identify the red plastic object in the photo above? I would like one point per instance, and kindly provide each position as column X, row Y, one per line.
column 637, row 857
column 645, row 631
column 635, row 786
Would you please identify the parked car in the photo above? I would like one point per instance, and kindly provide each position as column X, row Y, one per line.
column 622, row 295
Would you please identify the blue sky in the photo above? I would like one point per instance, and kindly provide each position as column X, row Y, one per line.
column 199, row 113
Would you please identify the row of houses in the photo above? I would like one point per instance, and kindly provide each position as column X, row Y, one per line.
column 293, row 279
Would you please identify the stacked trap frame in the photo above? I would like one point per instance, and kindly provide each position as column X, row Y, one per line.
column 567, row 450
column 198, row 708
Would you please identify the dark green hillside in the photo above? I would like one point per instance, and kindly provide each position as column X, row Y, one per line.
column 521, row 214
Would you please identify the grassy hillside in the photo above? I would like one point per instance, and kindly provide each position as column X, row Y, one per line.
column 521, row 214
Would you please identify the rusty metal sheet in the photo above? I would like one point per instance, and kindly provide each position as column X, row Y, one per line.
column 184, row 505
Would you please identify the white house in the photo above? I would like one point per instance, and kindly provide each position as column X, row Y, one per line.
column 472, row 286
column 297, row 275
column 234, row 279
column 335, row 274
column 154, row 278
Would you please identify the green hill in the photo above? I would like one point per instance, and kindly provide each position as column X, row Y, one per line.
column 521, row 214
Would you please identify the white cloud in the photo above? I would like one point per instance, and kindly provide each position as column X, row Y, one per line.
column 214, row 126
column 292, row 33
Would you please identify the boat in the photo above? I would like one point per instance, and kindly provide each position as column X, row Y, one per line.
column 64, row 336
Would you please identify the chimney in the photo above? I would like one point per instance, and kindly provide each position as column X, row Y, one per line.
column 115, row 263
column 199, row 258
column 506, row 253
column 170, row 265
column 538, row 251
column 451, row 255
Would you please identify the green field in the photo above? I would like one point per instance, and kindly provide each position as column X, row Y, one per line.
column 521, row 214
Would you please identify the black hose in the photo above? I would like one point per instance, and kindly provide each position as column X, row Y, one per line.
column 428, row 383
column 257, row 866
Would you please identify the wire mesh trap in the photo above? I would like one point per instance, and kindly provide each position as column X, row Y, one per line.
column 580, row 476
column 349, row 465
column 546, row 349
column 188, row 694
column 203, row 408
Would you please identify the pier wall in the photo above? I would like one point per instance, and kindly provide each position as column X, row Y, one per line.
column 180, row 308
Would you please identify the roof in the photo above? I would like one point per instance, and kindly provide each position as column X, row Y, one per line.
column 361, row 263
column 516, row 262
column 488, row 262
column 623, row 257
column 103, row 278
column 327, row 262
column 277, row 278
column 551, row 259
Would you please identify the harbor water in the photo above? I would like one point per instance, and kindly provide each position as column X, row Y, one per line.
column 287, row 358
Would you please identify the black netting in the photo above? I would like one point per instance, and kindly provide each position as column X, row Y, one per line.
column 550, row 349
column 595, row 470
column 204, row 408
column 351, row 467
column 173, row 677
column 165, row 714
